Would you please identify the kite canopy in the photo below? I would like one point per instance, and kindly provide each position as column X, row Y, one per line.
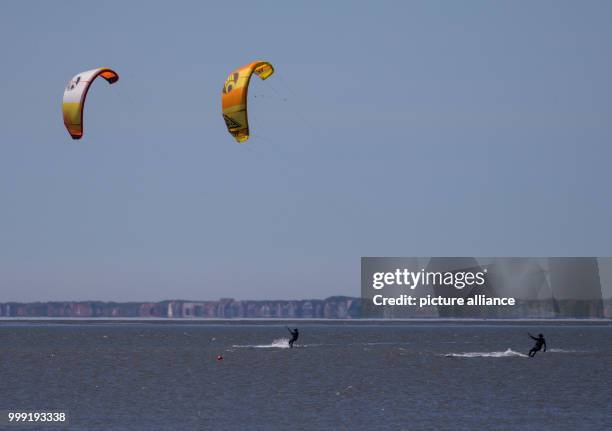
column 234, row 97
column 75, row 94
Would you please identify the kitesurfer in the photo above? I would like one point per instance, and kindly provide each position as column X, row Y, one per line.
column 294, row 336
column 540, row 341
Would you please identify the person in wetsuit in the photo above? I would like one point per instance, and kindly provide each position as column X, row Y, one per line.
column 540, row 341
column 294, row 336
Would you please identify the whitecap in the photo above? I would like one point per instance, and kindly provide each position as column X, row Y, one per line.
column 509, row 353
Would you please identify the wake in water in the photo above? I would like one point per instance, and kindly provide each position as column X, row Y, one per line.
column 565, row 351
column 507, row 354
column 280, row 343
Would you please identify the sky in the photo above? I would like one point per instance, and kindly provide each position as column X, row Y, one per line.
column 409, row 128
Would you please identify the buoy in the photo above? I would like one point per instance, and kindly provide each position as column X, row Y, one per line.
column 219, row 358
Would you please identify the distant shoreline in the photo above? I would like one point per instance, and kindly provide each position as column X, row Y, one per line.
column 282, row 321
column 336, row 308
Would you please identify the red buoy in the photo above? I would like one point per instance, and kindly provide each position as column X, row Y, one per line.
column 219, row 358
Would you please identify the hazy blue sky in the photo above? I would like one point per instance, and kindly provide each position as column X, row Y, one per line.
column 409, row 128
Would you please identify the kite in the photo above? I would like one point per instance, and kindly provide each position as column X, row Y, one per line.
column 74, row 98
column 234, row 97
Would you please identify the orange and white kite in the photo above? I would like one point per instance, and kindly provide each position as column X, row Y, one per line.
column 74, row 98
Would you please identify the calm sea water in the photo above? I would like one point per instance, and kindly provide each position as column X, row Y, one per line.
column 412, row 376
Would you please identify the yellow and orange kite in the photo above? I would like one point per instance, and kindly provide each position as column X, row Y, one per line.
column 75, row 94
column 234, row 97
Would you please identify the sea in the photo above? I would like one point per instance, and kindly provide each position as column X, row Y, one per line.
column 340, row 375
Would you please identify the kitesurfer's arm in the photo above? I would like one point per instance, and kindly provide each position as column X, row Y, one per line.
column 532, row 336
column 544, row 345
